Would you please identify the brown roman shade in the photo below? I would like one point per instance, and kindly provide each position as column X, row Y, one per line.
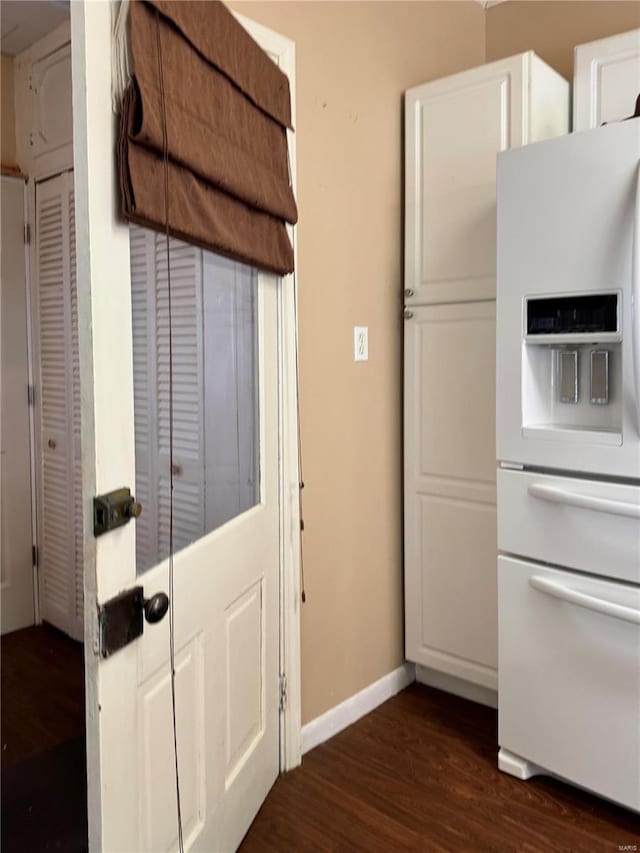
column 227, row 107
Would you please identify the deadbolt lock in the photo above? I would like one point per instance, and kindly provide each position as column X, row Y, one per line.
column 113, row 510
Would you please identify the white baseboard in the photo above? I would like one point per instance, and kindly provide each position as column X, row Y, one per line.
column 457, row 686
column 336, row 719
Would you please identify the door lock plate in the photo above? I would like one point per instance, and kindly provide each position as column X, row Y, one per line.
column 113, row 510
column 120, row 621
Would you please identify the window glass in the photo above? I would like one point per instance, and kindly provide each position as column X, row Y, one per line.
column 216, row 466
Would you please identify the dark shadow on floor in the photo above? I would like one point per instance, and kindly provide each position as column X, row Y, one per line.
column 44, row 776
column 44, row 802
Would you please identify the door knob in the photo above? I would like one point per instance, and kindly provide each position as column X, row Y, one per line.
column 52, row 443
column 155, row 608
column 134, row 509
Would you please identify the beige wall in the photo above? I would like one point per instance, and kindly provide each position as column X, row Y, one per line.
column 553, row 27
column 353, row 62
column 8, row 117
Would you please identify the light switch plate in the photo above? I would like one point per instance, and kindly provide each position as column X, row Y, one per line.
column 361, row 343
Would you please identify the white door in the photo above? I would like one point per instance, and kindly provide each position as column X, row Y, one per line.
column 57, row 398
column 226, row 567
column 15, row 475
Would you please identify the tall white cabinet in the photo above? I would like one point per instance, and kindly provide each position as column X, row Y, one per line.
column 606, row 80
column 454, row 129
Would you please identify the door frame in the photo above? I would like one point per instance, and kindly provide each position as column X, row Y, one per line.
column 283, row 49
column 102, row 259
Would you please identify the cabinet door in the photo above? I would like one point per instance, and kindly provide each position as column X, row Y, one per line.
column 450, row 513
column 454, row 129
column 51, row 135
column 606, row 80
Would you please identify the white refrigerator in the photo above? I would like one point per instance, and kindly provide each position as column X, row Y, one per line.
column 568, row 448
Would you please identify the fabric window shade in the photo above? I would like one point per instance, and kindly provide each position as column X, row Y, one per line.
column 227, row 110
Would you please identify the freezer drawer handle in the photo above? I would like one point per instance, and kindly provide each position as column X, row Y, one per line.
column 581, row 599
column 561, row 496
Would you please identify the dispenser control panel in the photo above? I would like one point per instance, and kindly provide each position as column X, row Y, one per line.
column 572, row 365
column 585, row 315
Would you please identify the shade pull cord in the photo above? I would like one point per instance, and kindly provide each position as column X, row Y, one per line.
column 172, row 650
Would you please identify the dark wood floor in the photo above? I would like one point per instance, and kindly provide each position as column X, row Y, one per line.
column 420, row 773
column 42, row 685
column 44, row 782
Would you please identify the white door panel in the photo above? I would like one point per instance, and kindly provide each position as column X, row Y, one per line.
column 51, row 131
column 454, row 129
column 450, row 513
column 16, row 573
column 606, row 80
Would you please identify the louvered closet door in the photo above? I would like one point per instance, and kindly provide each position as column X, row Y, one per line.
column 150, row 317
column 58, row 406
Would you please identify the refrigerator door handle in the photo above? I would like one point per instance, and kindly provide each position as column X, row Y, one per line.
column 635, row 300
column 557, row 495
column 581, row 599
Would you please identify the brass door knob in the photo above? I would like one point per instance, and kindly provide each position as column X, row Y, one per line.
column 176, row 469
column 52, row 443
column 134, row 509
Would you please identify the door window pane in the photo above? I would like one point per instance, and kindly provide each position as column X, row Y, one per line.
column 215, row 392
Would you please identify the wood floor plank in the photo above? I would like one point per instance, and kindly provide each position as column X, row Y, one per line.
column 42, row 692
column 420, row 773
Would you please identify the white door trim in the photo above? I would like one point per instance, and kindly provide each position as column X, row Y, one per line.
column 282, row 50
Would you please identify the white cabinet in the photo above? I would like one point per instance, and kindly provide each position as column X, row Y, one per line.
column 606, row 80
column 454, row 130
column 52, row 129
column 42, row 88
